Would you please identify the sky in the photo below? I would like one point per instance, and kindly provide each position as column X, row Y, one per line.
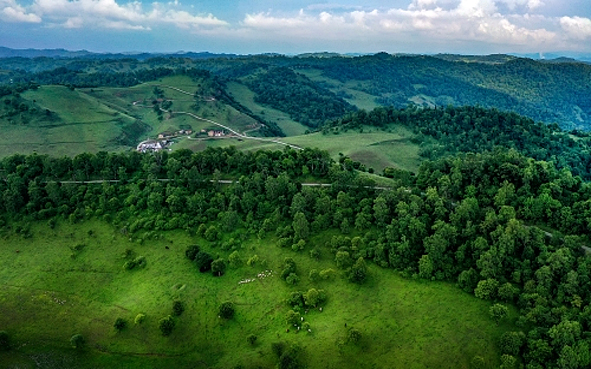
column 291, row 27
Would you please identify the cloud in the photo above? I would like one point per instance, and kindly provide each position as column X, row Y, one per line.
column 469, row 20
column 110, row 14
column 577, row 27
column 10, row 11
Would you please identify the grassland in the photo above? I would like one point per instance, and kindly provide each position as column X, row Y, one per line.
column 50, row 292
column 245, row 96
column 83, row 124
column 374, row 148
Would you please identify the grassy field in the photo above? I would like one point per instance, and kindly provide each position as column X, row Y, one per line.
column 374, row 148
column 48, row 292
column 246, row 97
column 84, row 124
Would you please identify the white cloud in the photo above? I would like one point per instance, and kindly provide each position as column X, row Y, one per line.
column 576, row 27
column 113, row 15
column 10, row 11
column 430, row 22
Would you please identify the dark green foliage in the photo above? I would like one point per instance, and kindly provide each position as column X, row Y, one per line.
column 77, row 341
column 4, row 341
column 498, row 312
column 139, row 262
column 295, row 94
column 203, row 261
column 289, row 268
column 177, row 307
column 218, row 267
column 226, row 310
column 358, row 271
column 353, row 335
column 192, row 252
column 251, row 339
column 511, row 343
column 166, row 325
column 120, row 324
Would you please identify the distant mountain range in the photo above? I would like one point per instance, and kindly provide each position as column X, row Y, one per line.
column 6, row 52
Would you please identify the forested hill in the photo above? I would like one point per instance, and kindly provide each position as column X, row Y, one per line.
column 451, row 130
column 548, row 92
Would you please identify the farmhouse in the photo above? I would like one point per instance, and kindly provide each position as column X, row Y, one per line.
column 215, row 133
column 148, row 146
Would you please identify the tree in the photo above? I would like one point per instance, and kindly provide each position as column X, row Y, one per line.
column 166, row 325
column 312, row 297
column 177, row 307
column 203, row 261
column 292, row 318
column 192, row 252
column 235, row 260
column 226, row 310
column 77, row 341
column 218, row 267
column 486, row 289
column 358, row 271
column 120, row 324
column 300, row 226
column 498, row 312
column 511, row 343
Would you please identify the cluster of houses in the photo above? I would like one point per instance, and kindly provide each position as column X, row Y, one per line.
column 164, row 139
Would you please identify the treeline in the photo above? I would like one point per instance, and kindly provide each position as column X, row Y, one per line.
column 476, row 219
column 295, row 94
column 451, row 130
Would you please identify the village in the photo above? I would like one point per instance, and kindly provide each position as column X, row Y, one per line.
column 165, row 139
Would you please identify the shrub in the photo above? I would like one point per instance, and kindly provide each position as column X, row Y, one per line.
column 251, row 338
column 203, row 261
column 120, row 324
column 218, row 267
column 192, row 251
column 139, row 318
column 166, row 325
column 226, row 310
column 77, row 341
column 354, row 335
column 4, row 341
column 177, row 308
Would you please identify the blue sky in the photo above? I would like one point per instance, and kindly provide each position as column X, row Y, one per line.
column 290, row 26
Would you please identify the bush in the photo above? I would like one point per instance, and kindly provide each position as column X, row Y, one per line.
column 192, row 251
column 177, row 308
column 166, row 325
column 226, row 310
column 251, row 338
column 354, row 335
column 203, row 261
column 120, row 324
column 4, row 341
column 139, row 318
column 77, row 341
column 218, row 267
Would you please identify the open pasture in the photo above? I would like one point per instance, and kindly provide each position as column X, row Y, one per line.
column 71, row 279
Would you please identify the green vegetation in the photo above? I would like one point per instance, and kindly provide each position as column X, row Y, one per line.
column 473, row 219
column 296, row 258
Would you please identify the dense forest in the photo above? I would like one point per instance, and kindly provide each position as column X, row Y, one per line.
column 453, row 130
column 480, row 220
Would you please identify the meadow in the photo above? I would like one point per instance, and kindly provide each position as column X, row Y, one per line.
column 56, row 282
